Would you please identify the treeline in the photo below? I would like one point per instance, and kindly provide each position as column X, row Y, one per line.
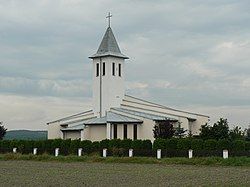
column 178, row 146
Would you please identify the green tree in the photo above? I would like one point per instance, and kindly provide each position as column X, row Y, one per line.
column 236, row 133
column 179, row 131
column 163, row 129
column 2, row 131
column 248, row 133
column 219, row 130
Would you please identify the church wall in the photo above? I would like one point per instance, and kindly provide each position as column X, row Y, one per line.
column 97, row 132
column 73, row 135
column 145, row 130
column 196, row 125
column 130, row 132
column 54, row 131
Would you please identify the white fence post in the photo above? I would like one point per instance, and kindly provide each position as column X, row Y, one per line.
column 190, row 153
column 104, row 152
column 80, row 152
column 158, row 153
column 130, row 152
column 56, row 151
column 225, row 154
column 14, row 150
column 34, row 151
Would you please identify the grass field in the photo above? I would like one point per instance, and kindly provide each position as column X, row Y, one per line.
column 34, row 173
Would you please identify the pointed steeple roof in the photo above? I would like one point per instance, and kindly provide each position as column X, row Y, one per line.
column 108, row 46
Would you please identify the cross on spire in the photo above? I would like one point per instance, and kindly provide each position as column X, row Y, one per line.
column 109, row 16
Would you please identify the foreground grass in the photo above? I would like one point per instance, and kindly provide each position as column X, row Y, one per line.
column 213, row 161
column 51, row 173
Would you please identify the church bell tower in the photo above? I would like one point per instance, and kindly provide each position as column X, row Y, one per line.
column 108, row 74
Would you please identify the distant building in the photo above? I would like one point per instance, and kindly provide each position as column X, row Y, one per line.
column 115, row 114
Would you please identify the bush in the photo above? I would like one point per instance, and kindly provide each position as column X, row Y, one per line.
column 146, row 144
column 114, row 143
column 171, row 144
column 223, row 144
column 104, row 144
column 126, row 144
column 159, row 144
column 238, row 145
column 184, row 144
column 87, row 146
column 247, row 146
column 196, row 144
column 210, row 144
column 136, row 144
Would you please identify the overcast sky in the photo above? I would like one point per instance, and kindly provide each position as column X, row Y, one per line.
column 192, row 55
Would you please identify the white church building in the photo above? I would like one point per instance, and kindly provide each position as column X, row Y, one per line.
column 115, row 114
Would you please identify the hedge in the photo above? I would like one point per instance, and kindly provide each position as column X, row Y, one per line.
column 117, row 147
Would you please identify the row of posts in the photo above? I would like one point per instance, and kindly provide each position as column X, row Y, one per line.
column 130, row 152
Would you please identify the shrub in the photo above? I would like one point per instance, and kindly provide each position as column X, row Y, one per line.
column 87, row 146
column 238, row 145
column 171, row 144
column 104, row 144
column 183, row 144
column 223, row 144
column 196, row 144
column 114, row 143
column 247, row 146
column 210, row 144
column 146, row 144
column 136, row 144
column 159, row 144
column 126, row 144
column 95, row 146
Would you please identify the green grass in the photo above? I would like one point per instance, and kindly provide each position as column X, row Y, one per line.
column 92, row 172
column 213, row 161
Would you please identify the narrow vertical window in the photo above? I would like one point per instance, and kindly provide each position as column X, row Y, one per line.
column 113, row 69
column 103, row 68
column 97, row 69
column 115, row 131
column 125, row 131
column 135, row 132
column 120, row 70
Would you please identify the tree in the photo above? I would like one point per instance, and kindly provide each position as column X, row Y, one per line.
column 163, row 129
column 219, row 130
column 2, row 131
column 248, row 133
column 179, row 131
column 236, row 133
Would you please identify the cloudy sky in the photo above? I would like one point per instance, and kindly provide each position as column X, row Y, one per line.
column 192, row 55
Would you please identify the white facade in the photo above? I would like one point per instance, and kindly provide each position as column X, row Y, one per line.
column 108, row 84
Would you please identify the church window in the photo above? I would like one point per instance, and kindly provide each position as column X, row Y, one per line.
column 97, row 69
column 120, row 70
column 135, row 132
column 103, row 68
column 115, row 131
column 125, row 131
column 113, row 69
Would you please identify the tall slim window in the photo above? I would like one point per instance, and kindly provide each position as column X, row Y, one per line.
column 125, row 131
column 135, row 132
column 120, row 70
column 97, row 69
column 103, row 68
column 113, row 69
column 115, row 131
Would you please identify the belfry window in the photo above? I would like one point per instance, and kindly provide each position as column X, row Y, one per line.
column 103, row 68
column 113, row 69
column 97, row 69
column 120, row 70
